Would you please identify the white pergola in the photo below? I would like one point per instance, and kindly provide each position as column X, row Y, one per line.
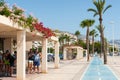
column 11, row 30
column 79, row 51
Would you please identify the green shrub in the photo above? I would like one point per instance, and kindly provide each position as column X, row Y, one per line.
column 5, row 12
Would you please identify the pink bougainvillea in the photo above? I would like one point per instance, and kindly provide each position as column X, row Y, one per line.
column 46, row 31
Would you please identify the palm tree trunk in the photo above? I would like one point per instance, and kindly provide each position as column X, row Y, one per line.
column 87, row 42
column 101, row 46
column 102, row 36
column 105, row 47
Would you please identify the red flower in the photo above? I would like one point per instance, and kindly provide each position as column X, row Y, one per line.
column 46, row 31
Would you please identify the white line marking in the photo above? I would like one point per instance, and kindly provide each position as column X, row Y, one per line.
column 112, row 72
column 86, row 69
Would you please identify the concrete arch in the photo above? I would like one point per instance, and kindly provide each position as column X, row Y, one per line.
column 79, row 51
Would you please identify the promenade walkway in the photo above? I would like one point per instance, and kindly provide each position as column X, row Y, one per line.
column 68, row 70
column 98, row 71
column 114, row 64
column 75, row 70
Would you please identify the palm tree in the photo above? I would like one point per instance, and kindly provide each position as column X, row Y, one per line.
column 67, row 39
column 98, row 28
column 87, row 23
column 61, row 39
column 77, row 33
column 100, row 10
column 93, row 33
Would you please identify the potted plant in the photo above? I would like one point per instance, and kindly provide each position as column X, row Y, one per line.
column 6, row 11
column 22, row 21
column 17, row 11
column 16, row 15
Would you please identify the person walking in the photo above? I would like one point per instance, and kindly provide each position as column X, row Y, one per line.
column 30, row 61
column 36, row 61
column 9, row 63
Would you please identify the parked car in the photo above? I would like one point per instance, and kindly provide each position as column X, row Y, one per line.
column 50, row 57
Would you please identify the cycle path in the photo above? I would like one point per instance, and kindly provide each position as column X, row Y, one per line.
column 98, row 71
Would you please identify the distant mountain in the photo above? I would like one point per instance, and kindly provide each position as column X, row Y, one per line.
column 116, row 42
column 83, row 37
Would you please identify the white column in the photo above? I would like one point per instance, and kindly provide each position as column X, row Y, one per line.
column 64, row 54
column 44, row 55
column 78, row 53
column 81, row 53
column 57, row 54
column 21, row 54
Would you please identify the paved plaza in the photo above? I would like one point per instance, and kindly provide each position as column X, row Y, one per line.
column 70, row 70
column 114, row 64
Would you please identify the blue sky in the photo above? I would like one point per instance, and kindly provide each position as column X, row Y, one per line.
column 66, row 15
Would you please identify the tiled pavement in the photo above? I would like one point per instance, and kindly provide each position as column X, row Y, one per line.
column 68, row 70
column 114, row 64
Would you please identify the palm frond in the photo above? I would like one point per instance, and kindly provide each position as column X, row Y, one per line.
column 98, row 27
column 107, row 8
column 92, row 32
column 83, row 24
column 96, row 35
column 93, row 10
column 95, row 14
column 103, row 27
column 87, row 23
column 98, row 6
column 103, row 2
